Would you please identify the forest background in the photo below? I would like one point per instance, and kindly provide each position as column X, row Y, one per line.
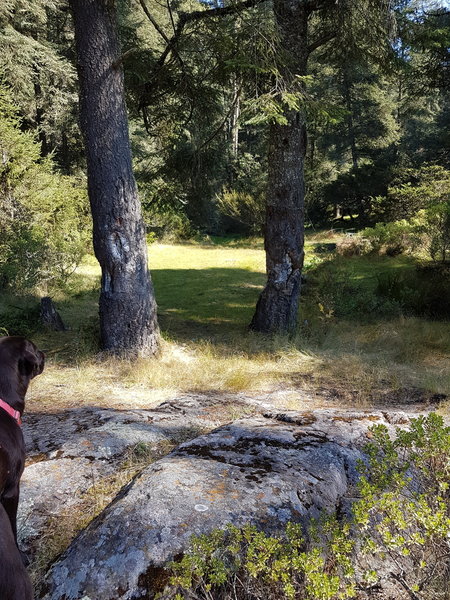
column 377, row 204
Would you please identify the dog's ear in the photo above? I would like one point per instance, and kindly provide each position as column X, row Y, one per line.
column 31, row 363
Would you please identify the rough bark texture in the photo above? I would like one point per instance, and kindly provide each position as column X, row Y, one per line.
column 277, row 307
column 127, row 306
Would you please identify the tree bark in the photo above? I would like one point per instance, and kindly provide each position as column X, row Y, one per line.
column 277, row 307
column 49, row 316
column 347, row 84
column 128, row 321
column 235, row 114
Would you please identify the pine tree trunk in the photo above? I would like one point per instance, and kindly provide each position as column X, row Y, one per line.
column 235, row 114
column 128, row 321
column 277, row 307
column 350, row 125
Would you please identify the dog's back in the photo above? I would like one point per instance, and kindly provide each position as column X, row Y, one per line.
column 14, row 581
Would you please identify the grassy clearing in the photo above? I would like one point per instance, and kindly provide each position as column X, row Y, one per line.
column 352, row 346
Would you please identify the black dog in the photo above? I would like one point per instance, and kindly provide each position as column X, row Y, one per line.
column 20, row 361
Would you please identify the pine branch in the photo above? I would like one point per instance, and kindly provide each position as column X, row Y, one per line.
column 313, row 5
column 159, row 30
column 153, row 21
column 220, row 11
column 320, row 41
column 222, row 123
column 184, row 19
column 123, row 57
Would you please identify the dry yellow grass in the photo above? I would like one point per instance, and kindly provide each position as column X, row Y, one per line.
column 206, row 297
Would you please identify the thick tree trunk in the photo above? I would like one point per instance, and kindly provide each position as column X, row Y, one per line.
column 277, row 307
column 128, row 320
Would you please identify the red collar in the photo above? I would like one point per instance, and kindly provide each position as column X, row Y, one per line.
column 15, row 414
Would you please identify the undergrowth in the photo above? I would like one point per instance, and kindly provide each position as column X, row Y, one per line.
column 398, row 534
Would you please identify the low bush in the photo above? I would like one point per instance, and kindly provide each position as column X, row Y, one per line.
column 168, row 225
column 20, row 320
column 369, row 288
column 424, row 204
column 333, row 291
column 423, row 292
column 402, row 518
column 235, row 563
column 399, row 532
column 247, row 208
column 396, row 237
column 353, row 246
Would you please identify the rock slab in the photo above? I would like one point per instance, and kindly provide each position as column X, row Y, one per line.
column 71, row 451
column 267, row 470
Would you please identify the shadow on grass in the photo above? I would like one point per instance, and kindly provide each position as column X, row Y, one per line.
column 215, row 305
column 191, row 300
column 212, row 304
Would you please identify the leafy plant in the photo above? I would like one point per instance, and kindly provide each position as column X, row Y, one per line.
column 421, row 292
column 396, row 237
column 248, row 563
column 244, row 207
column 400, row 531
column 424, row 203
column 403, row 515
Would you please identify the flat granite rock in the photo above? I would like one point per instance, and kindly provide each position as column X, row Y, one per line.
column 71, row 451
column 52, row 489
column 102, row 433
column 265, row 469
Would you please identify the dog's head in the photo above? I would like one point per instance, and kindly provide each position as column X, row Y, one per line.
column 22, row 356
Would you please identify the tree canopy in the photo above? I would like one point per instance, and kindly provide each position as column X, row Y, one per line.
column 207, row 86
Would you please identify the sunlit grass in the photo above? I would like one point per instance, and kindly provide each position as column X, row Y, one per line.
column 206, row 296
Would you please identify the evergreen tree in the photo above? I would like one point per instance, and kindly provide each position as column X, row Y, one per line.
column 44, row 223
column 36, row 64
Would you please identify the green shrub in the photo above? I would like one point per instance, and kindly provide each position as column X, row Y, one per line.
column 438, row 228
column 424, row 203
column 20, row 320
column 44, row 222
column 424, row 292
column 245, row 207
column 396, row 237
column 400, row 530
column 331, row 293
column 163, row 204
column 247, row 563
column 403, row 514
column 169, row 225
